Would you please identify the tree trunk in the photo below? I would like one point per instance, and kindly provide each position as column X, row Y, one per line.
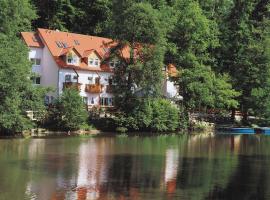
column 233, row 115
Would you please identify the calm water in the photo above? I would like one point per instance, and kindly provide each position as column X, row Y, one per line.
column 172, row 167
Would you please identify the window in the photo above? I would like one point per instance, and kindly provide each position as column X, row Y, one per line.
column 72, row 59
column 91, row 62
column 92, row 100
column 97, row 80
column 96, row 62
column 68, row 78
column 52, row 99
column 105, row 101
column 114, row 63
column 35, row 61
column 36, row 80
column 76, row 42
column 47, row 100
column 110, row 81
column 85, row 100
column 75, row 77
column 90, row 79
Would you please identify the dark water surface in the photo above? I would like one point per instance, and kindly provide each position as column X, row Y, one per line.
column 165, row 167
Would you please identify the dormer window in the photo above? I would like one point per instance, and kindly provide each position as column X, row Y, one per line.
column 72, row 59
column 93, row 62
column 114, row 63
column 96, row 62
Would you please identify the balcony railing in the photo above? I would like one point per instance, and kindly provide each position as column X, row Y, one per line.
column 93, row 88
column 73, row 85
column 109, row 89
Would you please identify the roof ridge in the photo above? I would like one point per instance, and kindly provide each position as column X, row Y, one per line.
column 79, row 34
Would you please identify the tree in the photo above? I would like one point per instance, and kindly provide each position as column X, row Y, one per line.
column 195, row 37
column 157, row 115
column 141, row 30
column 243, row 51
column 17, row 94
column 68, row 112
column 80, row 16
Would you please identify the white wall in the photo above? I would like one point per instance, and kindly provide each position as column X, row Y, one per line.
column 49, row 71
column 36, row 53
column 83, row 79
column 171, row 89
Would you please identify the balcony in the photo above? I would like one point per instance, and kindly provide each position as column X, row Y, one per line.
column 109, row 89
column 93, row 88
column 73, row 85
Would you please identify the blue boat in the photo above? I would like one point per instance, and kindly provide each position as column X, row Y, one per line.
column 239, row 130
column 242, row 130
column 263, row 130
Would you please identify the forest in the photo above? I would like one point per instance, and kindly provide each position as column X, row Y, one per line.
column 221, row 49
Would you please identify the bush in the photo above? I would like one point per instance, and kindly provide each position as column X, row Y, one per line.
column 157, row 115
column 68, row 113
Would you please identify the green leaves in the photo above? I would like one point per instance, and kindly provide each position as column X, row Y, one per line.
column 68, row 112
column 157, row 115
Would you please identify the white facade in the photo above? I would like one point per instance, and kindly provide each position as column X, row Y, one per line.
column 87, row 77
column 54, row 77
column 55, row 56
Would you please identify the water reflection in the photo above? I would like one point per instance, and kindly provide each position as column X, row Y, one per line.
column 177, row 167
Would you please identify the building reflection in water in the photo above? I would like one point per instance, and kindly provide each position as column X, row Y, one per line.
column 110, row 168
column 85, row 184
column 92, row 170
column 171, row 169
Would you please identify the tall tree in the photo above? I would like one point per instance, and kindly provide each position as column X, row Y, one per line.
column 195, row 36
column 141, row 29
column 81, row 16
column 243, row 50
column 16, row 91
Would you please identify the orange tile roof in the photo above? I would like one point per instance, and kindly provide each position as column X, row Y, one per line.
column 60, row 43
column 32, row 39
column 172, row 71
column 83, row 44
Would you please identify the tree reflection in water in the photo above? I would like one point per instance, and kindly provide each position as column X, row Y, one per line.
column 165, row 167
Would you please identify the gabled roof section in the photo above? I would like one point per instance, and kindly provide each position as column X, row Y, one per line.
column 65, row 51
column 32, row 39
column 57, row 40
column 89, row 52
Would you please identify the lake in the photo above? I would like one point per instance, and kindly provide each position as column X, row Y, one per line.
column 125, row 168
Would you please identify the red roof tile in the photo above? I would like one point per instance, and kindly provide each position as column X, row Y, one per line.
column 32, row 39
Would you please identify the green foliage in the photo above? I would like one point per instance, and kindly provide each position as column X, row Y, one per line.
column 17, row 94
column 243, row 51
column 204, row 89
column 157, row 115
column 142, row 29
column 68, row 113
column 79, row 16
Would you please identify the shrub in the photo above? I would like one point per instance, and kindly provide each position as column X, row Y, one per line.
column 157, row 115
column 68, row 113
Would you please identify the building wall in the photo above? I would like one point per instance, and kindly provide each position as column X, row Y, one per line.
column 49, row 72
column 83, row 79
column 36, row 53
